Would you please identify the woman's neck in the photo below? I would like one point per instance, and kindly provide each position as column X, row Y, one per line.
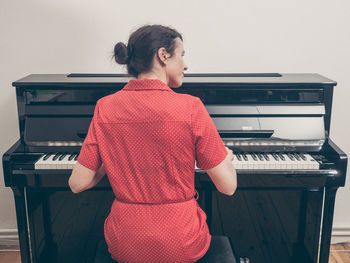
column 153, row 75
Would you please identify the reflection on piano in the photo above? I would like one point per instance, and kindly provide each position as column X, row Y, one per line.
column 277, row 125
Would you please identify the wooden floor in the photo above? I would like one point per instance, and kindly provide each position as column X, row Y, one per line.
column 340, row 253
column 9, row 255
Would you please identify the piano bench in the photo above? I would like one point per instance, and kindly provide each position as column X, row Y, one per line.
column 102, row 254
column 220, row 251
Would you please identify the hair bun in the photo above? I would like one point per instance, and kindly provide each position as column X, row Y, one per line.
column 120, row 53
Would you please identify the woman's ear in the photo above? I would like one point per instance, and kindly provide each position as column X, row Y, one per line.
column 163, row 55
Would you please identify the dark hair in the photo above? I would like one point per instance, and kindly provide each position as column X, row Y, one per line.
column 143, row 45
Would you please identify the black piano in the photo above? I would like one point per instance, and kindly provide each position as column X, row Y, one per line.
column 277, row 125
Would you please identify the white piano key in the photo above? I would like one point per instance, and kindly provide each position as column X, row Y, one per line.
column 283, row 162
column 72, row 162
column 267, row 163
column 259, row 164
column 49, row 163
column 299, row 162
column 293, row 162
column 249, row 164
column 62, row 164
column 254, row 161
column 237, row 164
column 271, row 164
column 305, row 163
column 280, row 164
column 39, row 164
column 312, row 163
column 252, row 164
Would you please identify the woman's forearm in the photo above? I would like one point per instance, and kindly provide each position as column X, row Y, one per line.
column 83, row 178
column 98, row 176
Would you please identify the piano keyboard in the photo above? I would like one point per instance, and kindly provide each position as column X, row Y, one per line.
column 274, row 161
column 56, row 161
column 242, row 161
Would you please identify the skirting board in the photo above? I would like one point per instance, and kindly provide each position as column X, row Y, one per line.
column 340, row 234
column 9, row 237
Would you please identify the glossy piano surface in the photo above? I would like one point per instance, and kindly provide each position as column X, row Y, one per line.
column 264, row 214
column 276, row 124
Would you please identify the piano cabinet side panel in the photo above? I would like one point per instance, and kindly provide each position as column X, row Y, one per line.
column 37, row 212
column 65, row 227
column 19, row 195
column 21, row 101
column 270, row 225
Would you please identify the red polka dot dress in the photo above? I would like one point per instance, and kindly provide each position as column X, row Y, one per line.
column 149, row 137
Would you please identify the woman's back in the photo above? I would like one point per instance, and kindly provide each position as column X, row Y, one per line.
column 146, row 143
column 147, row 137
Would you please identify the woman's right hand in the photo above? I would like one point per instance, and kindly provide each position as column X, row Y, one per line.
column 224, row 175
column 230, row 154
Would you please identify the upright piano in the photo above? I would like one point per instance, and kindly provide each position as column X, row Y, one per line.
column 277, row 125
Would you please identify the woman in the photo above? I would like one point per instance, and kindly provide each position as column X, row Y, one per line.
column 146, row 138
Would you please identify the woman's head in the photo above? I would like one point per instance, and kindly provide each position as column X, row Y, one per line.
column 153, row 46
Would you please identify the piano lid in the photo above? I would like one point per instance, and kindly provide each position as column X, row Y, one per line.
column 233, row 79
column 270, row 125
column 281, row 128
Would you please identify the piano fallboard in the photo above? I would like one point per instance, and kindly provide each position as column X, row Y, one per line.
column 246, row 179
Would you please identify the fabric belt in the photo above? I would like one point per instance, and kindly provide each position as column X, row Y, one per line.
column 196, row 196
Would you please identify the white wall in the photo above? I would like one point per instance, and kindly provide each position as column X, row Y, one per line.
column 64, row 36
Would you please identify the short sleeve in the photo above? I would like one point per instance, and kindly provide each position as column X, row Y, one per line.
column 209, row 147
column 89, row 154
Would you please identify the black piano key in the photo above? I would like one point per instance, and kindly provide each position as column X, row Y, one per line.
column 261, row 158
column 275, row 156
column 290, row 156
column 71, row 157
column 62, row 156
column 245, row 157
column 266, row 157
column 239, row 157
column 296, row 156
column 56, row 156
column 255, row 158
column 302, row 156
column 281, row 157
column 47, row 156
column 76, row 157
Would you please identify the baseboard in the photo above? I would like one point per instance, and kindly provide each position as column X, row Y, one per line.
column 9, row 238
column 340, row 234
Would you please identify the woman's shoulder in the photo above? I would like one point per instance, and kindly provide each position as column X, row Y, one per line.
column 186, row 97
column 187, row 101
column 108, row 98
